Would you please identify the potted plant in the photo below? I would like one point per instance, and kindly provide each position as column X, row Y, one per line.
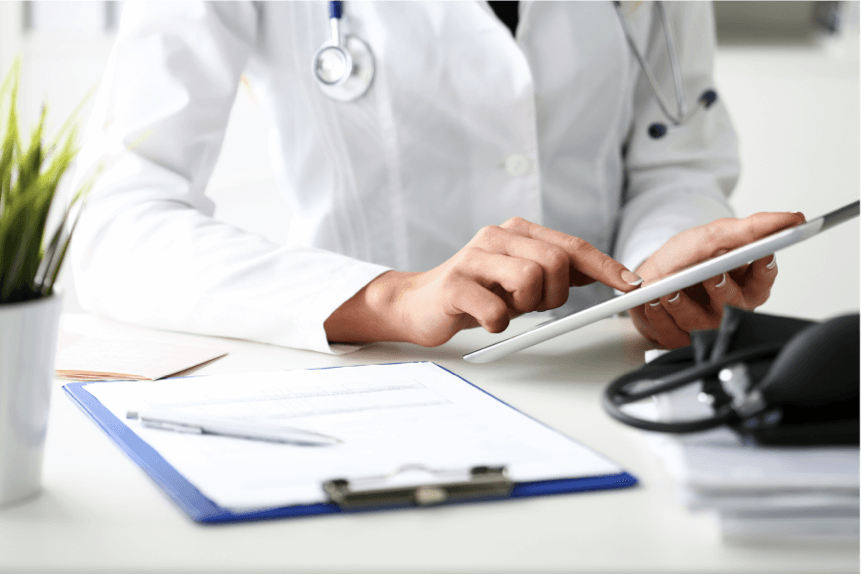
column 31, row 256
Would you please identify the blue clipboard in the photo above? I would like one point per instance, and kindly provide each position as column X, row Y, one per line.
column 201, row 509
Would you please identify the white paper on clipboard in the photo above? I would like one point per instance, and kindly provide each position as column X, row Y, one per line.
column 387, row 417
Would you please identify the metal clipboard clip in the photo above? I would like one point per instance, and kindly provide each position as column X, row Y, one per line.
column 480, row 482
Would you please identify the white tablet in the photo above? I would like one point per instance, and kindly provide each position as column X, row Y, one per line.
column 685, row 278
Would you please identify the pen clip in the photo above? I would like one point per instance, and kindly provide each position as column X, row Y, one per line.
column 171, row 426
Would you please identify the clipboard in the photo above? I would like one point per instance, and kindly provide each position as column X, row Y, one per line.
column 344, row 494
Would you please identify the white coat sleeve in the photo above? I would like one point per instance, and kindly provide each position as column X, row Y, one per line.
column 146, row 249
column 684, row 179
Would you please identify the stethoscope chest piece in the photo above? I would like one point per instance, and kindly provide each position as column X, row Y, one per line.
column 344, row 73
column 343, row 66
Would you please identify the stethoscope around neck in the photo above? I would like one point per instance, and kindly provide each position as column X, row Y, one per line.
column 344, row 65
column 344, row 69
column 683, row 112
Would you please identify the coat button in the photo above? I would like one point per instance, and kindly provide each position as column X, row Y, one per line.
column 517, row 165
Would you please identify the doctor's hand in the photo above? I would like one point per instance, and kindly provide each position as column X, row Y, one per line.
column 669, row 320
column 502, row 272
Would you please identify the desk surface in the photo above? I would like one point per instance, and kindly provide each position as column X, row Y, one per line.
column 99, row 512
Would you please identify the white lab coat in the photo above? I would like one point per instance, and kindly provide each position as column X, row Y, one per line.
column 463, row 127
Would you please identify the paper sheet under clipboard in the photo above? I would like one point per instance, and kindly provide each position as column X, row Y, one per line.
column 388, row 417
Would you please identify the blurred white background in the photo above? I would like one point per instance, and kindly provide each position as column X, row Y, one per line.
column 787, row 71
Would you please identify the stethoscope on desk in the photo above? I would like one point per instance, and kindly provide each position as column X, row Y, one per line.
column 344, row 68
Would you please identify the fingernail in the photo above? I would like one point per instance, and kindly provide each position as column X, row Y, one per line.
column 676, row 298
column 631, row 278
column 655, row 303
column 772, row 263
column 722, row 281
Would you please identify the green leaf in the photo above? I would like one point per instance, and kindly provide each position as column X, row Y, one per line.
column 29, row 179
column 31, row 163
column 56, row 252
column 10, row 144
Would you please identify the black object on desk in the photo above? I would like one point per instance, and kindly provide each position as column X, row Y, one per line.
column 483, row 483
column 774, row 380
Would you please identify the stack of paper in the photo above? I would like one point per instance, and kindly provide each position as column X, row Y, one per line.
column 89, row 359
column 758, row 493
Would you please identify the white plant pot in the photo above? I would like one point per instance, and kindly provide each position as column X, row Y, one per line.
column 28, row 342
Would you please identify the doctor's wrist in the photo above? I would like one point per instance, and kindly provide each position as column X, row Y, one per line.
column 373, row 313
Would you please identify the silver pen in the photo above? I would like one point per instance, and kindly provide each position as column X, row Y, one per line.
column 192, row 424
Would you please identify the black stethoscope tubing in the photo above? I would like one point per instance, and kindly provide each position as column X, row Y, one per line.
column 616, row 395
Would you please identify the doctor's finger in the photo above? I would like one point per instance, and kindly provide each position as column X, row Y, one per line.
column 552, row 260
column 587, row 263
column 758, row 281
column 521, row 280
column 738, row 274
column 688, row 314
column 722, row 291
column 662, row 327
column 488, row 309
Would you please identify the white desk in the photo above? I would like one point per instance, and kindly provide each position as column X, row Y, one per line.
column 99, row 512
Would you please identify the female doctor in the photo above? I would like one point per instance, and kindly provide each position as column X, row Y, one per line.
column 450, row 121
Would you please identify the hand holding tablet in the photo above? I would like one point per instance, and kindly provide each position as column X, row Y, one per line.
column 668, row 286
column 668, row 321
